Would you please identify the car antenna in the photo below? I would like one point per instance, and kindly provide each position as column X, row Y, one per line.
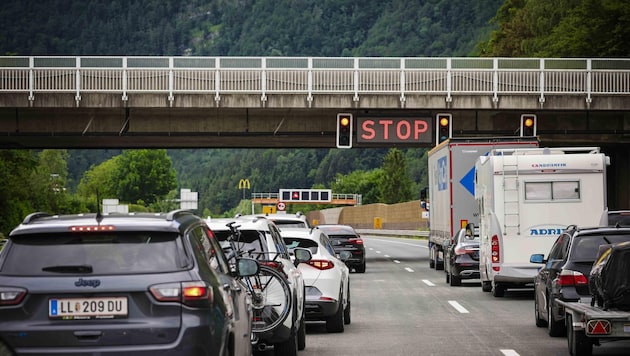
column 99, row 216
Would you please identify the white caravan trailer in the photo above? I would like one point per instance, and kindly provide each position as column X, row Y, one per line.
column 526, row 198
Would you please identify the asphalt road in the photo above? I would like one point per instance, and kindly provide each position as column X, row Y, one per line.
column 401, row 307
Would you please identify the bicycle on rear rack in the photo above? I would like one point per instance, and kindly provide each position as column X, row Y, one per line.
column 269, row 289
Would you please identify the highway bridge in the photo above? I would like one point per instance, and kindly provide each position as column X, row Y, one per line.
column 267, row 102
column 293, row 101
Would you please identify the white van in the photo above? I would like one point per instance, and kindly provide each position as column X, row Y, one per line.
column 526, row 198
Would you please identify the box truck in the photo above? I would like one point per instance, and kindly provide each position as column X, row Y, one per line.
column 526, row 198
column 451, row 197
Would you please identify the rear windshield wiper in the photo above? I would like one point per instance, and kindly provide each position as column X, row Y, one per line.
column 69, row 269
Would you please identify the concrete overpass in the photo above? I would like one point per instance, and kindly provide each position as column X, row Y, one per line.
column 82, row 102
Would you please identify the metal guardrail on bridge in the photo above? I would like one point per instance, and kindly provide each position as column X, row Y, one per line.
column 310, row 76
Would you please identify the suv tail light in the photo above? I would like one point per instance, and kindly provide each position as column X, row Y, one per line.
column 496, row 252
column 277, row 265
column 321, row 264
column 194, row 294
column 11, row 296
column 572, row 278
column 355, row 241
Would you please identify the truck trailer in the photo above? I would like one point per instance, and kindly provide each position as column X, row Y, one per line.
column 526, row 198
column 452, row 202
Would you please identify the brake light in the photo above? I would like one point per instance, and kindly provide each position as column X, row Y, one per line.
column 11, row 296
column 496, row 252
column 277, row 265
column 572, row 278
column 273, row 264
column 91, row 228
column 355, row 241
column 321, row 264
column 194, row 294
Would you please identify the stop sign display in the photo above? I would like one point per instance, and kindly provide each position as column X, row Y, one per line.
column 394, row 130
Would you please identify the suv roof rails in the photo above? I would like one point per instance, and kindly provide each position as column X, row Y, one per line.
column 34, row 216
column 174, row 214
column 571, row 227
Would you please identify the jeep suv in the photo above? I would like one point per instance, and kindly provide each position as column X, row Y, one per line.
column 260, row 238
column 565, row 271
column 141, row 284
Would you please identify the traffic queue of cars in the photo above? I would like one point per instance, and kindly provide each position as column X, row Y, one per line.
column 567, row 297
column 167, row 283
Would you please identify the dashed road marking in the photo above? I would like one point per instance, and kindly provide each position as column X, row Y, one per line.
column 428, row 282
column 509, row 352
column 408, row 269
column 396, row 261
column 458, row 307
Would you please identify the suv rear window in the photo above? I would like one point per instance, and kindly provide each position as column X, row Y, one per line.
column 94, row 253
column 250, row 241
column 286, row 224
column 587, row 246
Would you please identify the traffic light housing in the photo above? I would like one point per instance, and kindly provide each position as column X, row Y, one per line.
column 344, row 130
column 528, row 125
column 444, row 126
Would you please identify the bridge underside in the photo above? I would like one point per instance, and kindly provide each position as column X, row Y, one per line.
column 134, row 127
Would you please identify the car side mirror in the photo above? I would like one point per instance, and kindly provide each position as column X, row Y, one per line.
column 537, row 258
column 246, row 267
column 301, row 255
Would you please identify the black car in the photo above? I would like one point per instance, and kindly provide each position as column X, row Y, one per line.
column 345, row 238
column 565, row 272
column 141, row 284
column 461, row 259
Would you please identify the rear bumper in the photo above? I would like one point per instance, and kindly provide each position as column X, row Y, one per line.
column 466, row 272
column 320, row 309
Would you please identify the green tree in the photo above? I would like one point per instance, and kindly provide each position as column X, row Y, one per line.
column 98, row 183
column 144, row 176
column 365, row 183
column 396, row 184
column 16, row 169
column 50, row 184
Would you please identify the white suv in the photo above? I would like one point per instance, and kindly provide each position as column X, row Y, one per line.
column 287, row 220
column 260, row 237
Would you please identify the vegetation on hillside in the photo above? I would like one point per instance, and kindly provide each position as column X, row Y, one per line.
column 49, row 180
column 562, row 28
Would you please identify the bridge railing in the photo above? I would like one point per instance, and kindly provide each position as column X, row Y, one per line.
column 312, row 75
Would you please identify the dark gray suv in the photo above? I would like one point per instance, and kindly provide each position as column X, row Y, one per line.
column 141, row 284
column 564, row 273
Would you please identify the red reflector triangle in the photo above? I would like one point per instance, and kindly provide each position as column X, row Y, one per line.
column 598, row 327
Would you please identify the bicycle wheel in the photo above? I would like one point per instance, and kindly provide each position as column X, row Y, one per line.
column 271, row 299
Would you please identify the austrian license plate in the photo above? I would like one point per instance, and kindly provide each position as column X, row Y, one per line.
column 87, row 308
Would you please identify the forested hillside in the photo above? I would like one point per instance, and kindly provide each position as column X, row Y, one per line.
column 244, row 27
column 281, row 28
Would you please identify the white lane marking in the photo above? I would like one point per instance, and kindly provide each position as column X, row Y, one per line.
column 428, row 282
column 378, row 251
column 396, row 261
column 509, row 352
column 386, row 256
column 408, row 269
column 371, row 249
column 458, row 307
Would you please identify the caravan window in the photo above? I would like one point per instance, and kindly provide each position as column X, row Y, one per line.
column 566, row 190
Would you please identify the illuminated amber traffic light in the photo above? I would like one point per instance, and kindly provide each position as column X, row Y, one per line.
column 528, row 125
column 344, row 130
column 444, row 127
